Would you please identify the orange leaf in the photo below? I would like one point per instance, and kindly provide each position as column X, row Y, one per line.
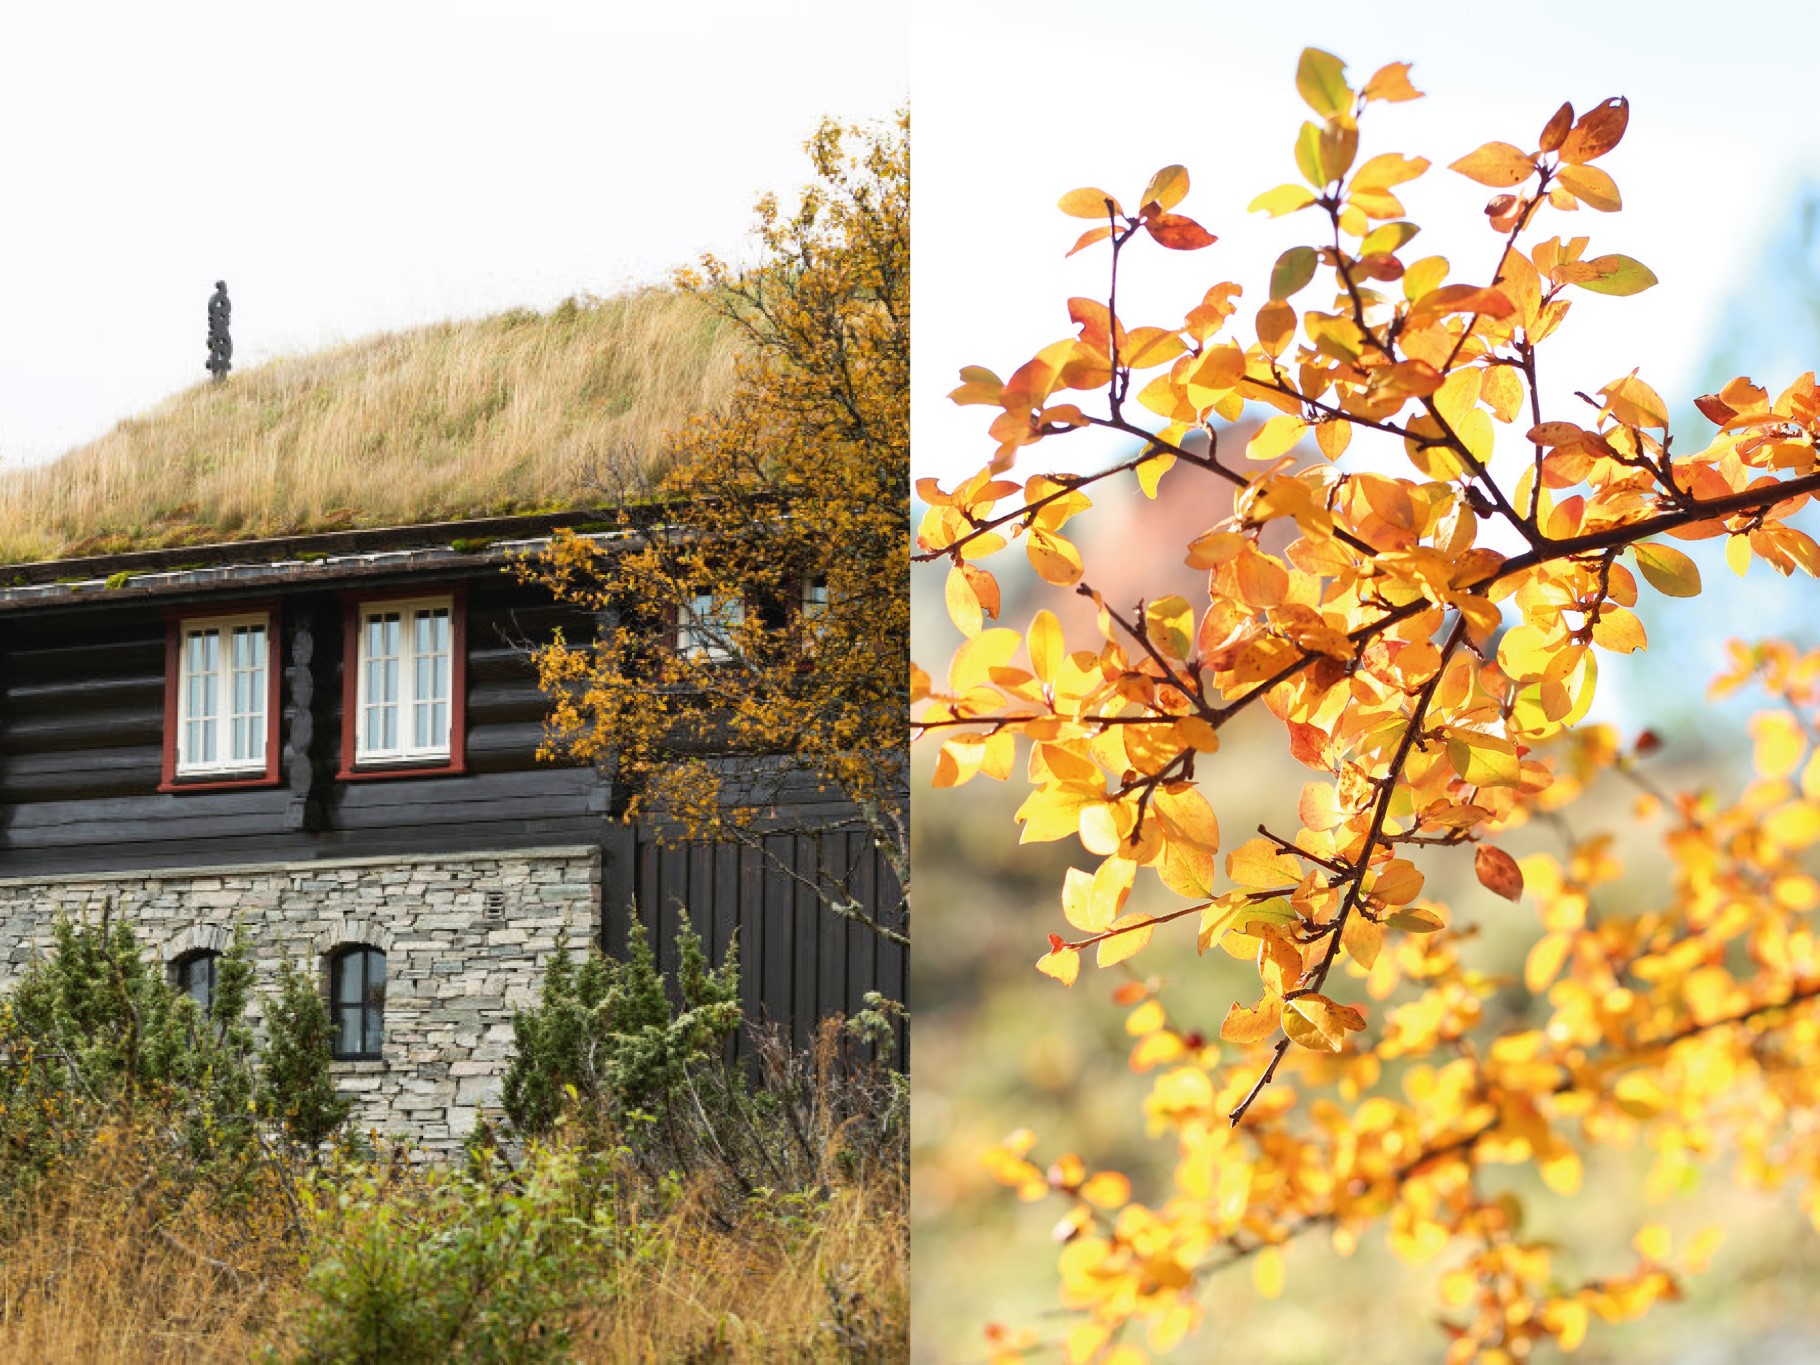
column 1179, row 233
column 1555, row 130
column 1598, row 131
column 1391, row 83
column 1252, row 1025
column 1497, row 164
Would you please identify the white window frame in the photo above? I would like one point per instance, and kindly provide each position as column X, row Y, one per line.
column 815, row 596
column 406, row 750
column 720, row 614
column 224, row 715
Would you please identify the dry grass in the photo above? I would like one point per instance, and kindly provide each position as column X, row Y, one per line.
column 514, row 413
column 105, row 1267
column 101, row 1270
column 833, row 1289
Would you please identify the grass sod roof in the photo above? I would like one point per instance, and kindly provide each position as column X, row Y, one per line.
column 520, row 412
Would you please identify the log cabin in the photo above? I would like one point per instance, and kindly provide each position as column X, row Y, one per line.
column 328, row 741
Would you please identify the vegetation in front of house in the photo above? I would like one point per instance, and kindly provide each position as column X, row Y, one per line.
column 519, row 412
column 649, row 1203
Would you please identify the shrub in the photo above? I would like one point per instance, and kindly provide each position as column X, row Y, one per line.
column 605, row 1034
column 92, row 1033
column 296, row 1091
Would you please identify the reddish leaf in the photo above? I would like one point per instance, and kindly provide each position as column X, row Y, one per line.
column 1597, row 132
column 1555, row 130
column 1498, row 872
column 1179, row 233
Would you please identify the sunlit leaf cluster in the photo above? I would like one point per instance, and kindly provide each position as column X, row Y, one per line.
column 1427, row 644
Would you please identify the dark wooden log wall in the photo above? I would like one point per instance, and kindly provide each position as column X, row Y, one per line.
column 81, row 729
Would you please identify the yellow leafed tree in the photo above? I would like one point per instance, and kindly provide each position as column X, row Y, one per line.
column 1426, row 644
column 749, row 674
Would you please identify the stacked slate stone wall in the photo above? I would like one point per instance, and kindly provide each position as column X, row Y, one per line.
column 466, row 941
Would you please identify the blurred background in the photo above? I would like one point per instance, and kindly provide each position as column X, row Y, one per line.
column 1720, row 176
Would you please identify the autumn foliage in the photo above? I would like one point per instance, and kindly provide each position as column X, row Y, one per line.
column 756, row 606
column 1427, row 643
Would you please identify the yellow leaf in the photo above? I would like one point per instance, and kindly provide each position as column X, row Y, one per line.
column 1397, row 882
column 1169, row 622
column 1618, row 630
column 1320, row 79
column 1064, row 964
column 1055, row 812
column 1483, row 760
column 1186, row 816
column 963, row 603
column 1283, row 199
column 1317, row 1023
column 959, row 759
column 1275, row 437
column 1257, row 863
column 1150, row 473
column 1415, row 920
column 1133, row 932
column 1667, row 570
column 1737, row 554
column 1267, row 1273
column 1244, row 1026
column 1779, row 743
column 1047, row 649
column 1087, row 203
column 1561, row 1170
column 1544, row 961
column 1333, row 438
column 1591, row 186
column 1497, row 164
column 1653, row 1242
column 1635, row 403
column 1391, row 83
column 1810, row 778
column 974, row 661
column 1054, row 558
column 1107, row 1189
column 1167, row 188
column 1146, row 1018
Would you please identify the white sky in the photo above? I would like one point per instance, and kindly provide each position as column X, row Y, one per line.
column 1018, row 101
column 355, row 167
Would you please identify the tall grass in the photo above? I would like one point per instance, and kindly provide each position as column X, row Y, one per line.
column 519, row 412
column 121, row 1254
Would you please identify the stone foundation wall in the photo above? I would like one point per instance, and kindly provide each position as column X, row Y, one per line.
column 465, row 938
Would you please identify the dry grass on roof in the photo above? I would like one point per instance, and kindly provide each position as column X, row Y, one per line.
column 516, row 413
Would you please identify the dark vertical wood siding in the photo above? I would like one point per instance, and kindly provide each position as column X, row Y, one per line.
column 799, row 962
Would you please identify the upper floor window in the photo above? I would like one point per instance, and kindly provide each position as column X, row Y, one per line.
column 195, row 976
column 357, row 1000
column 815, row 597
column 221, row 709
column 706, row 626
column 406, row 683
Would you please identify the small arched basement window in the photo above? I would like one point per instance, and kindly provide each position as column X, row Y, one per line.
column 194, row 976
column 357, row 1000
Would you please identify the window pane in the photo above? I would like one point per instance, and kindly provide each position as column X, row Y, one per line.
column 196, row 978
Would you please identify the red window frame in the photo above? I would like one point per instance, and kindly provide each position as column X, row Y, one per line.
column 174, row 619
column 352, row 604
